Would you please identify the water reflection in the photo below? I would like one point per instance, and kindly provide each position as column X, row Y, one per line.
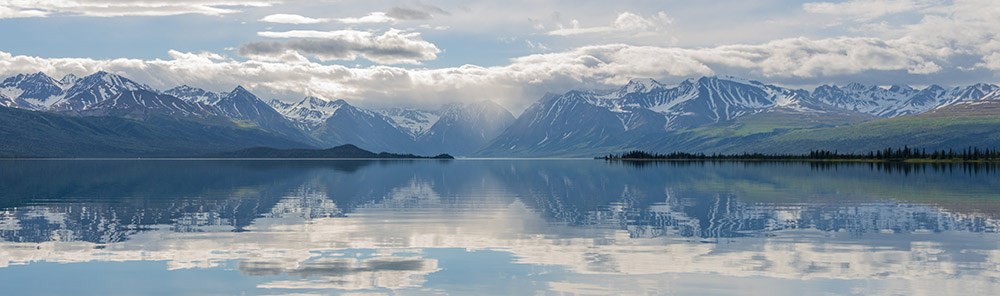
column 581, row 226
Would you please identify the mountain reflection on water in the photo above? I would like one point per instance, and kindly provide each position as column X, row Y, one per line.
column 508, row 226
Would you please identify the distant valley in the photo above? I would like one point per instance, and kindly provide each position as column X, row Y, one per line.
column 107, row 115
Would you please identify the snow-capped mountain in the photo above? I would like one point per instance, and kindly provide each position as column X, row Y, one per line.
column 142, row 104
column 194, row 94
column 870, row 99
column 33, row 91
column 414, row 122
column 642, row 109
column 558, row 123
column 639, row 86
column 94, row 89
column 648, row 105
column 975, row 92
column 6, row 102
column 245, row 107
column 715, row 99
column 897, row 100
column 69, row 80
column 347, row 124
column 923, row 100
column 457, row 128
column 310, row 112
column 463, row 128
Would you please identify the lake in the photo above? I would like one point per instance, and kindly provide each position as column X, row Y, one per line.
column 473, row 227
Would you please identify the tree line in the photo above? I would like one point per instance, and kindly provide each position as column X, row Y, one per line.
column 887, row 154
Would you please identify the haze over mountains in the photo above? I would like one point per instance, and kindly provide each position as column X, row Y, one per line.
column 104, row 114
column 732, row 115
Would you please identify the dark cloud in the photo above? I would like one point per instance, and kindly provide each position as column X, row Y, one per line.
column 421, row 12
column 393, row 47
column 432, row 9
column 402, row 13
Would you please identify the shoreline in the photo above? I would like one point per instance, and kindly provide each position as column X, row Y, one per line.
column 905, row 161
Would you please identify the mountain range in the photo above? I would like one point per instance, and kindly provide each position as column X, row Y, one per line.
column 117, row 111
column 733, row 115
column 108, row 115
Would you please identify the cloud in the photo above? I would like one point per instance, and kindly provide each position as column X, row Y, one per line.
column 867, row 9
column 626, row 22
column 932, row 50
column 991, row 62
column 408, row 14
column 392, row 47
column 42, row 8
column 9, row 12
column 421, row 12
column 371, row 18
column 802, row 57
column 292, row 19
column 285, row 72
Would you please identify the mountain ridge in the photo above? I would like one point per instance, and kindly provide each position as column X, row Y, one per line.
column 711, row 112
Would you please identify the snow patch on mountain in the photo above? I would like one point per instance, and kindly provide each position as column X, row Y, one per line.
column 94, row 89
column 639, row 85
column 11, row 92
column 6, row 102
column 311, row 112
column 194, row 94
column 414, row 122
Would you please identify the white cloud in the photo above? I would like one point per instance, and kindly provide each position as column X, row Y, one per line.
column 283, row 70
column 802, row 57
column 867, row 9
column 9, row 12
column 420, row 12
column 376, row 17
column 41, row 8
column 438, row 28
column 626, row 22
column 991, row 62
column 371, row 18
column 392, row 47
column 961, row 35
column 292, row 19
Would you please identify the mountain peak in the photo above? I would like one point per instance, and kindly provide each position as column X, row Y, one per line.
column 900, row 88
column 69, row 79
column 194, row 94
column 240, row 91
column 111, row 79
column 639, row 85
column 934, row 87
column 39, row 74
column 313, row 101
column 740, row 80
column 855, row 86
column 984, row 86
column 38, row 77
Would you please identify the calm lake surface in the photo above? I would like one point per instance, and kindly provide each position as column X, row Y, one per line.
column 472, row 227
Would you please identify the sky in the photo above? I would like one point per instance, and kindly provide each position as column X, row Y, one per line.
column 420, row 53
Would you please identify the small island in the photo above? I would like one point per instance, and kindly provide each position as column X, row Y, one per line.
column 905, row 154
column 347, row 151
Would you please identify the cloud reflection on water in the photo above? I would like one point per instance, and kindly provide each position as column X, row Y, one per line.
column 697, row 235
